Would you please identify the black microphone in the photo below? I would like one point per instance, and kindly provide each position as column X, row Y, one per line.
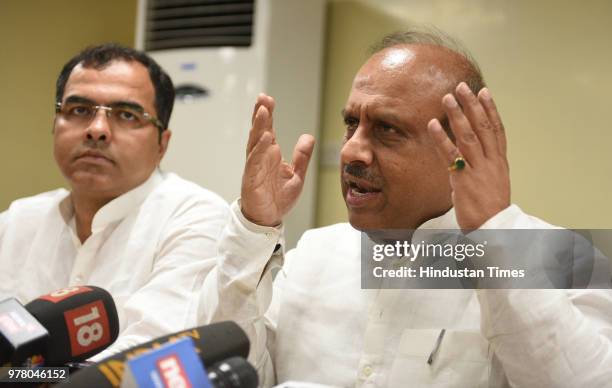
column 21, row 335
column 80, row 322
column 234, row 372
column 215, row 342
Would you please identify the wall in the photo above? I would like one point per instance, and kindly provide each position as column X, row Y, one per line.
column 38, row 37
column 547, row 64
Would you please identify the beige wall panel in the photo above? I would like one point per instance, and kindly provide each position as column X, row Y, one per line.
column 38, row 37
column 548, row 65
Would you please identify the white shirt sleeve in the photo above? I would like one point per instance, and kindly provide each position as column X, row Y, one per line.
column 244, row 285
column 548, row 338
column 187, row 254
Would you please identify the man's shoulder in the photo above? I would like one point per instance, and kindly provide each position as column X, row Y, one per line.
column 334, row 234
column 176, row 187
column 323, row 251
column 39, row 202
column 513, row 217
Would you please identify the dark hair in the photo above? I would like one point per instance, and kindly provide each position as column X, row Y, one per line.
column 100, row 56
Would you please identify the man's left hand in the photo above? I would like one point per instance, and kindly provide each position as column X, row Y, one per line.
column 482, row 188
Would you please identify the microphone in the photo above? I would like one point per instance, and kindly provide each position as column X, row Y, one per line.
column 82, row 321
column 177, row 364
column 213, row 343
column 235, row 372
column 21, row 335
column 79, row 322
column 174, row 364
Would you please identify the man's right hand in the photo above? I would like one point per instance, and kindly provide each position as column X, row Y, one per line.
column 270, row 185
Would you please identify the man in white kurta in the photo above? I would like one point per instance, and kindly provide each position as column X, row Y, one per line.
column 151, row 248
column 148, row 237
column 322, row 327
column 314, row 322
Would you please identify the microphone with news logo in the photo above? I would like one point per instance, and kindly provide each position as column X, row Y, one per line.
column 177, row 364
column 208, row 344
column 67, row 325
column 21, row 335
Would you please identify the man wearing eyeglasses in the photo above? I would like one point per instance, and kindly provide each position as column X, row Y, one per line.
column 147, row 236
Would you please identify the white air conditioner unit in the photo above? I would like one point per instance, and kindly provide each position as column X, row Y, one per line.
column 220, row 55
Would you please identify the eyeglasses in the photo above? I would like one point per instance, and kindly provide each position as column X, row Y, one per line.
column 120, row 115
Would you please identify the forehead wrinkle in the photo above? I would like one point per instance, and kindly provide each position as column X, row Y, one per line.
column 385, row 96
column 379, row 83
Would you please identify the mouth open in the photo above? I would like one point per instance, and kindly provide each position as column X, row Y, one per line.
column 361, row 193
column 360, row 190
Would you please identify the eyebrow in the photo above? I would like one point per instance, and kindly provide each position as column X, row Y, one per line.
column 390, row 117
column 125, row 104
column 384, row 116
column 79, row 99
column 128, row 104
column 347, row 113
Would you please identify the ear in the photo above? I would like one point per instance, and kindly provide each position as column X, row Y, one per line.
column 54, row 124
column 163, row 143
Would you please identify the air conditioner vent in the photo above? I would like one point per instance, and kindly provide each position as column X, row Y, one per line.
column 198, row 23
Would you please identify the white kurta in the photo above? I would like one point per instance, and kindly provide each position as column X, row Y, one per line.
column 151, row 248
column 320, row 326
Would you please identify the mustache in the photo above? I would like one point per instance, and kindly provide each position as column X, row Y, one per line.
column 360, row 171
column 99, row 151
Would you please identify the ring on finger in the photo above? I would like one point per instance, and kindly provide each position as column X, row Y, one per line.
column 458, row 164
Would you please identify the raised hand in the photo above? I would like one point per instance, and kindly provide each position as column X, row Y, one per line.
column 270, row 185
column 482, row 188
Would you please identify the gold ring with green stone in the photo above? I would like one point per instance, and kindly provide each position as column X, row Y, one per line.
column 458, row 164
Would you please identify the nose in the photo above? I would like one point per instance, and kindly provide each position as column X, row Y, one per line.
column 99, row 129
column 357, row 148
